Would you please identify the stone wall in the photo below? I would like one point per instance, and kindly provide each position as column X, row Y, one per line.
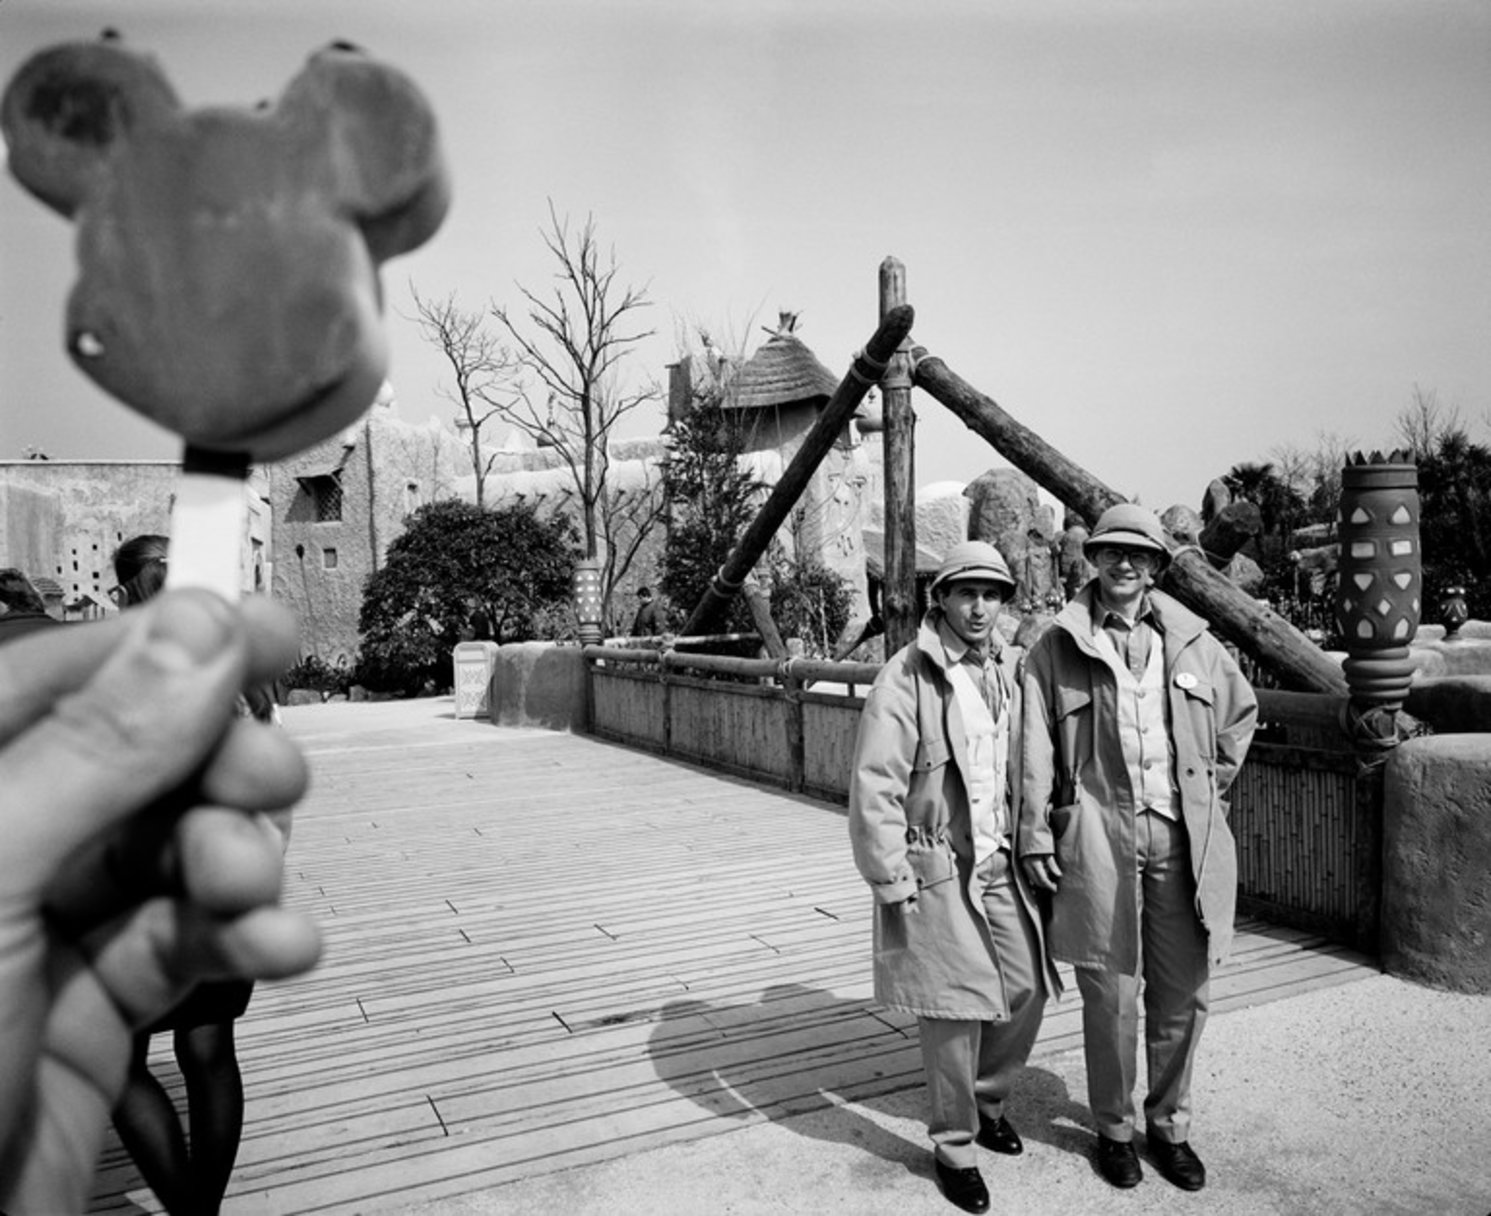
column 538, row 684
column 1436, row 905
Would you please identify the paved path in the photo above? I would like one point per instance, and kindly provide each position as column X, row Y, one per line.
column 563, row 976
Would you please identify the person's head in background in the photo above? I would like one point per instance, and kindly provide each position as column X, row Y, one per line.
column 140, row 567
column 17, row 594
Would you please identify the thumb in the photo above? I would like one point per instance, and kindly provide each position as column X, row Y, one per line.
column 138, row 728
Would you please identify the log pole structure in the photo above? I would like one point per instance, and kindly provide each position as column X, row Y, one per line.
column 1252, row 627
column 865, row 372
column 899, row 611
column 760, row 605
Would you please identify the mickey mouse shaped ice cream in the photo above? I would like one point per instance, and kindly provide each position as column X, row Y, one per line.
column 228, row 257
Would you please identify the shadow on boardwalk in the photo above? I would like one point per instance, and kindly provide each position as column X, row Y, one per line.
column 724, row 1058
column 553, row 963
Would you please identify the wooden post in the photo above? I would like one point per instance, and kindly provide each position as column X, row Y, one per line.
column 868, row 366
column 760, row 605
column 898, row 606
column 797, row 755
column 1239, row 618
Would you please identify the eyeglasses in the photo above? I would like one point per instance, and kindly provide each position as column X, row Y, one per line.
column 1140, row 559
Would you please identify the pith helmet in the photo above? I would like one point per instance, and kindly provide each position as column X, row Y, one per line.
column 1132, row 526
column 974, row 559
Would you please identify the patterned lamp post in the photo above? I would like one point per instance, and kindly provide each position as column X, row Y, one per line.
column 1453, row 612
column 587, row 593
column 1379, row 597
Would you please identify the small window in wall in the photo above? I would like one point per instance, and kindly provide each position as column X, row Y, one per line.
column 328, row 559
column 328, row 494
column 325, row 493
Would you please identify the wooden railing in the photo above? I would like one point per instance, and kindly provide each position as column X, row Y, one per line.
column 791, row 722
column 1307, row 818
column 1306, row 814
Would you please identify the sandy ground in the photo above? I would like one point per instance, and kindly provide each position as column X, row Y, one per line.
column 1373, row 1097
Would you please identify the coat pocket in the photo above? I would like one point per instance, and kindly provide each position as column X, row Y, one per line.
column 1199, row 697
column 932, row 864
column 1080, row 839
column 1073, row 709
column 931, row 753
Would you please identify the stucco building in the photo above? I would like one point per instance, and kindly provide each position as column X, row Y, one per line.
column 62, row 520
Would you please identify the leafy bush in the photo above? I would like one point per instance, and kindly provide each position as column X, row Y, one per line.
column 711, row 501
column 317, row 674
column 811, row 602
column 1455, row 494
column 458, row 572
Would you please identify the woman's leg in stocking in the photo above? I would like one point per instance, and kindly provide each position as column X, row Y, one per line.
column 214, row 1103
column 151, row 1133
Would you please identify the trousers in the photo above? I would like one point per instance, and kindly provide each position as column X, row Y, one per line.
column 972, row 1064
column 1175, row 974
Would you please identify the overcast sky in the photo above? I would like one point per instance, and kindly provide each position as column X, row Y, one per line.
column 1168, row 236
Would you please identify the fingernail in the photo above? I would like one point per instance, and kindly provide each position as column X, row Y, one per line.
column 189, row 628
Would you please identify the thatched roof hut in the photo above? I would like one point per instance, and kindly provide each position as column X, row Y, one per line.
column 783, row 371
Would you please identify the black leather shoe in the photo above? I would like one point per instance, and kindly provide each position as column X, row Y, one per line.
column 1178, row 1163
column 1118, row 1162
column 965, row 1188
column 999, row 1136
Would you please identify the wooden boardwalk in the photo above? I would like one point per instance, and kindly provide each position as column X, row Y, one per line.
column 543, row 951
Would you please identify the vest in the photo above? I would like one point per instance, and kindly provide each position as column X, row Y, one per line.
column 988, row 760
column 1141, row 729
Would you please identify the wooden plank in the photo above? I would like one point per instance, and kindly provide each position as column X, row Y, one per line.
column 544, row 950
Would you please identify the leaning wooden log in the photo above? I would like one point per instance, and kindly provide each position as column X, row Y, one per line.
column 868, row 366
column 1017, row 443
column 760, row 605
column 856, row 634
column 1255, row 629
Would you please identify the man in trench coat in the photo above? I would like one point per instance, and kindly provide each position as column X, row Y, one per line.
column 932, row 811
column 1136, row 722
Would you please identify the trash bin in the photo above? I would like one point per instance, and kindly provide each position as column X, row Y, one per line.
column 473, row 678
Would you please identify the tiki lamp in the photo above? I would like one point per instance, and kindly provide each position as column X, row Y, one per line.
column 1453, row 611
column 586, row 588
column 1378, row 598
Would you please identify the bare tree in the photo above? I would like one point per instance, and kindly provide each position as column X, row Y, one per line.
column 628, row 518
column 574, row 341
column 485, row 371
column 1423, row 423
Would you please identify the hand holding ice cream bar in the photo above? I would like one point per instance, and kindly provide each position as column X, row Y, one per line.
column 228, row 257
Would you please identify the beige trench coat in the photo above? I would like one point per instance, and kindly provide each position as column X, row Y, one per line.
column 1077, row 801
column 911, row 831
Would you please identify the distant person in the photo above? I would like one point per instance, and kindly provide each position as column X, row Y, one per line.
column 933, row 803
column 139, row 569
column 22, row 610
column 648, row 621
column 1136, row 722
column 135, row 860
column 1072, row 567
column 189, row 1173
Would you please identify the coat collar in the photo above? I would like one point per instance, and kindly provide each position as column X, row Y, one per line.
column 1177, row 623
column 943, row 652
